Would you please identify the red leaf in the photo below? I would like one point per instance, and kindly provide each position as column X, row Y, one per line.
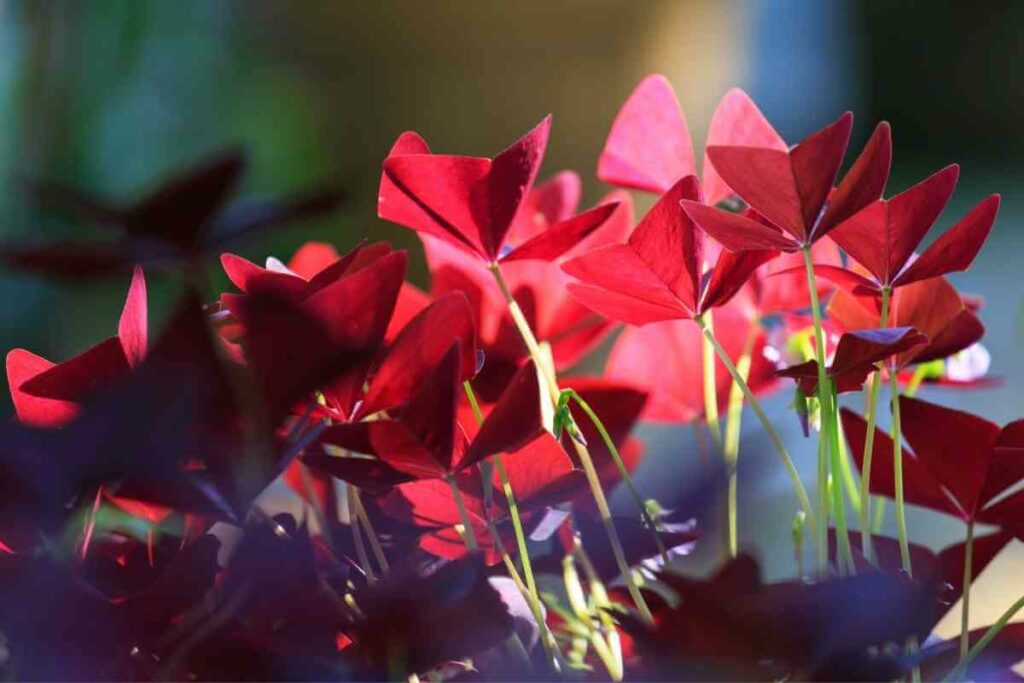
column 882, row 237
column 541, row 475
column 731, row 272
column 919, row 484
column 79, row 378
column 956, row 248
column 815, row 163
column 515, row 420
column 955, row 445
column 863, row 183
column 737, row 232
column 563, row 236
column 418, row 350
column 511, row 177
column 787, row 188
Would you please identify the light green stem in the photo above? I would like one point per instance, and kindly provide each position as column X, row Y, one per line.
column 869, row 444
column 710, row 387
column 469, row 533
column 842, row 536
column 371, row 533
column 731, row 446
column 357, row 539
column 523, row 326
column 965, row 623
column 897, row 464
column 513, row 506
column 769, row 429
column 983, row 642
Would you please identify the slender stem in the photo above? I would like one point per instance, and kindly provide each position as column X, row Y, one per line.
column 821, row 532
column 357, row 539
column 547, row 639
column 842, row 536
column 513, row 506
column 469, row 534
column 710, row 387
column 581, row 451
column 755, row 405
column 850, row 480
column 897, row 464
column 371, row 533
column 731, row 446
column 983, row 642
column 824, row 406
column 869, row 444
column 965, row 626
column 603, row 604
column 623, row 472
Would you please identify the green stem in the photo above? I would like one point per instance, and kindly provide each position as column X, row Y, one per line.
column 547, row 638
column 842, row 536
column 983, row 642
column 710, row 387
column 357, row 539
column 469, row 534
column 965, row 626
column 731, row 446
column 539, row 359
column 824, row 407
column 755, row 405
column 371, row 533
column 897, row 460
column 623, row 472
column 869, row 444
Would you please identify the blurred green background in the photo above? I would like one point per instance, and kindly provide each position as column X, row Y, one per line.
column 109, row 95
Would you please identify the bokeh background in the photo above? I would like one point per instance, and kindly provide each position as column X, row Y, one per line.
column 109, row 95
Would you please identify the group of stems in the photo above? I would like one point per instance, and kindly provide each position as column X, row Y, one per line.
column 546, row 370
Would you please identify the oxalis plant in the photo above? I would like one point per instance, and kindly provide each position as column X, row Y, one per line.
column 330, row 473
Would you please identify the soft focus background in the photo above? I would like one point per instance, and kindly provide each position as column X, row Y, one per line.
column 109, row 95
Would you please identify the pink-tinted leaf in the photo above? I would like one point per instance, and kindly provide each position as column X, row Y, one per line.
column 956, row 446
column 736, row 232
column 418, row 350
column 863, row 183
column 731, row 272
column 133, row 324
column 626, row 308
column 311, row 258
column 737, row 122
column 563, row 236
column 449, row 191
column 648, row 147
column 956, row 249
column 33, row 411
column 411, row 302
